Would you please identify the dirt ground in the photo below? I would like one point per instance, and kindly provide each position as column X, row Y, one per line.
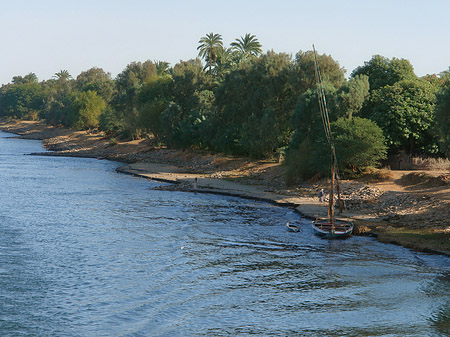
column 410, row 208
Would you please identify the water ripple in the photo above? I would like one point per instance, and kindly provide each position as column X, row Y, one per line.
column 88, row 252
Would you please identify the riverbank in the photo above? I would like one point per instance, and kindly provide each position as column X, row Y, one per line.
column 410, row 208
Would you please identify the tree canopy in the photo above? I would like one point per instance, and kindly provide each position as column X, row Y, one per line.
column 238, row 100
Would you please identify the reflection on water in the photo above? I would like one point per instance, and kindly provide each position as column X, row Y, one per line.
column 88, row 252
column 440, row 318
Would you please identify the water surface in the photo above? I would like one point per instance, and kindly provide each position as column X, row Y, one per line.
column 85, row 251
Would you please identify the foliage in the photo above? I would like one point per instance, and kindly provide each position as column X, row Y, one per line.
column 29, row 78
column 240, row 101
column 298, row 159
column 359, row 144
column 112, row 123
column 95, row 79
column 256, row 91
column 445, row 74
column 163, row 68
column 442, row 119
column 180, row 121
column 63, row 75
column 189, row 78
column 186, row 128
column 353, row 95
column 87, row 108
column 382, row 71
column 129, row 83
column 208, row 48
column 306, row 120
column 23, row 100
column 304, row 78
column 153, row 99
column 405, row 112
column 225, row 62
column 246, row 46
column 58, row 101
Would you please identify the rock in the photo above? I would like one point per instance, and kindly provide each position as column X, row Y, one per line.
column 361, row 230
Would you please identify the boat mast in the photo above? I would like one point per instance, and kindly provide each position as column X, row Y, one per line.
column 329, row 135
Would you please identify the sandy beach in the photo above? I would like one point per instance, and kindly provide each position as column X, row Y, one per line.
column 409, row 208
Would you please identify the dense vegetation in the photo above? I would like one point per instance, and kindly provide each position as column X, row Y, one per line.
column 241, row 101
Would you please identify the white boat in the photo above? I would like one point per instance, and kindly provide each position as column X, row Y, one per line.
column 292, row 227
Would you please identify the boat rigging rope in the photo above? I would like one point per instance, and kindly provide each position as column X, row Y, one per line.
column 322, row 100
column 326, row 123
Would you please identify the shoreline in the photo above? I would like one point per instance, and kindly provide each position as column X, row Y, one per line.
column 375, row 215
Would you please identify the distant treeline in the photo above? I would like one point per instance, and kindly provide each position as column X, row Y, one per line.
column 241, row 101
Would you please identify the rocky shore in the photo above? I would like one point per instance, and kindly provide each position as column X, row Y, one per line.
column 410, row 208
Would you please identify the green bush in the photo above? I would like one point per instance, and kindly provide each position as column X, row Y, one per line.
column 359, row 144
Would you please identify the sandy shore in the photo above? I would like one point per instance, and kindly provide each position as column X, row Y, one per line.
column 411, row 212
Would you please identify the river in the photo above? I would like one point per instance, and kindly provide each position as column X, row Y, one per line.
column 85, row 251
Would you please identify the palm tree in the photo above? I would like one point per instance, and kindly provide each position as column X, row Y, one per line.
column 247, row 46
column 162, row 68
column 224, row 61
column 31, row 78
column 208, row 48
column 62, row 75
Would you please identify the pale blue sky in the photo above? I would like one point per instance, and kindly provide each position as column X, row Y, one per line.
column 50, row 35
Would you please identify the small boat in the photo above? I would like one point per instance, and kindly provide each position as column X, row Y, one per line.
column 292, row 227
column 334, row 230
column 330, row 227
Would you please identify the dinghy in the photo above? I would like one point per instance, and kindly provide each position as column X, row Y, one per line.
column 292, row 227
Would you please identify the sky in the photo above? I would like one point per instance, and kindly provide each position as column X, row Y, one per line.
column 46, row 36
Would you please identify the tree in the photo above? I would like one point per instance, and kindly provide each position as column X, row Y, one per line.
column 246, row 47
column 405, row 113
column 208, row 48
column 255, row 91
column 359, row 144
column 382, row 71
column 224, row 62
column 62, row 75
column 129, row 83
column 442, row 119
column 180, row 120
column 96, row 79
column 153, row 99
column 445, row 74
column 188, row 78
column 303, row 75
column 308, row 152
column 162, row 68
column 87, row 108
column 23, row 100
column 29, row 78
column 306, row 121
column 352, row 96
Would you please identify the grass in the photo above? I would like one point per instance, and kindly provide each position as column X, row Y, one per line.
column 430, row 163
column 421, row 240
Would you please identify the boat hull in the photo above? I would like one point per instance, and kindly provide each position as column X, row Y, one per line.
column 338, row 229
column 292, row 227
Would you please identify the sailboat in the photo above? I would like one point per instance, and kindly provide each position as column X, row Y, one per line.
column 329, row 227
